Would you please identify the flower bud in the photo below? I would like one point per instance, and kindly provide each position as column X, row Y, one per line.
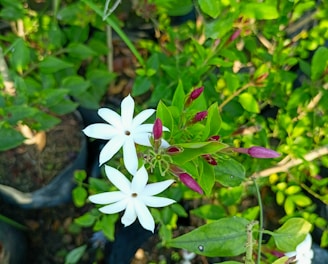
column 214, row 138
column 210, row 160
column 199, row 116
column 234, row 35
column 263, row 153
column 171, row 150
column 157, row 129
column 187, row 180
column 194, row 95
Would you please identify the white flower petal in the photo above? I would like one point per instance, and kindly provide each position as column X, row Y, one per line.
column 142, row 117
column 144, row 128
column 156, row 188
column 129, row 215
column 114, row 208
column 127, row 109
column 142, row 139
column 100, row 131
column 164, row 144
column 111, row 117
column 139, row 181
column 110, row 149
column 154, row 201
column 106, row 197
column 144, row 216
column 119, row 180
column 130, row 157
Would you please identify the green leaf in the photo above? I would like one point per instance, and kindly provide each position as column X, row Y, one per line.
column 229, row 172
column 249, row 103
column 164, row 113
column 209, row 211
column 206, row 177
column 224, row 237
column 218, row 28
column 79, row 196
column 259, row 11
column 282, row 260
column 75, row 84
column 10, row 138
column 80, row 51
column 52, row 64
column 213, row 122
column 75, row 255
column 45, row 121
column 194, row 150
column 20, row 55
column 291, row 233
column 141, row 85
column 319, row 63
column 85, row 220
column 210, row 7
column 179, row 97
column 108, row 225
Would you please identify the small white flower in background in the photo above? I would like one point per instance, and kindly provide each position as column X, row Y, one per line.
column 122, row 131
column 133, row 197
column 303, row 253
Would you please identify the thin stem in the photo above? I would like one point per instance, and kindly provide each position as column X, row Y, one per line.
column 258, row 194
column 118, row 30
column 236, row 93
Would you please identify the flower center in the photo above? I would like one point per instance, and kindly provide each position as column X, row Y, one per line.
column 127, row 132
column 134, row 195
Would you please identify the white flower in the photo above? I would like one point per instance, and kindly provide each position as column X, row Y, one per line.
column 133, row 197
column 303, row 253
column 122, row 131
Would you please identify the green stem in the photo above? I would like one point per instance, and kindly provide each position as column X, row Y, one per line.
column 260, row 221
column 12, row 222
column 249, row 245
column 118, row 30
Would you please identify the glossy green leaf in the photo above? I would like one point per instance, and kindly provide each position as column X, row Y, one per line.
column 209, row 211
column 179, row 97
column 210, row 7
column 80, row 195
column 10, row 138
column 291, row 233
column 75, row 255
column 141, row 85
column 80, row 51
column 20, row 55
column 86, row 220
column 164, row 113
column 229, row 172
column 206, row 178
column 249, row 103
column 75, row 84
column 224, row 237
column 52, row 64
column 213, row 122
column 282, row 260
column 259, row 11
column 319, row 63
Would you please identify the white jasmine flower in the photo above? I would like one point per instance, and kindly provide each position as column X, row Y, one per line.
column 133, row 197
column 122, row 131
column 303, row 253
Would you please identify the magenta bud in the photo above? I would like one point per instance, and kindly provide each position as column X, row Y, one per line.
column 262, row 153
column 234, row 35
column 157, row 129
column 173, row 150
column 189, row 181
column 199, row 116
column 196, row 93
column 214, row 138
column 210, row 160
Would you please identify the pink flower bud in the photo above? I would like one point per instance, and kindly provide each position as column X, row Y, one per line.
column 173, row 150
column 234, row 35
column 214, row 138
column 210, row 160
column 263, row 153
column 194, row 95
column 199, row 116
column 157, row 129
column 187, row 180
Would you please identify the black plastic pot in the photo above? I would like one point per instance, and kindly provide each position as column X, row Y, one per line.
column 57, row 192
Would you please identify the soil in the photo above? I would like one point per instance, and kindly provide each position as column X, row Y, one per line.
column 30, row 169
